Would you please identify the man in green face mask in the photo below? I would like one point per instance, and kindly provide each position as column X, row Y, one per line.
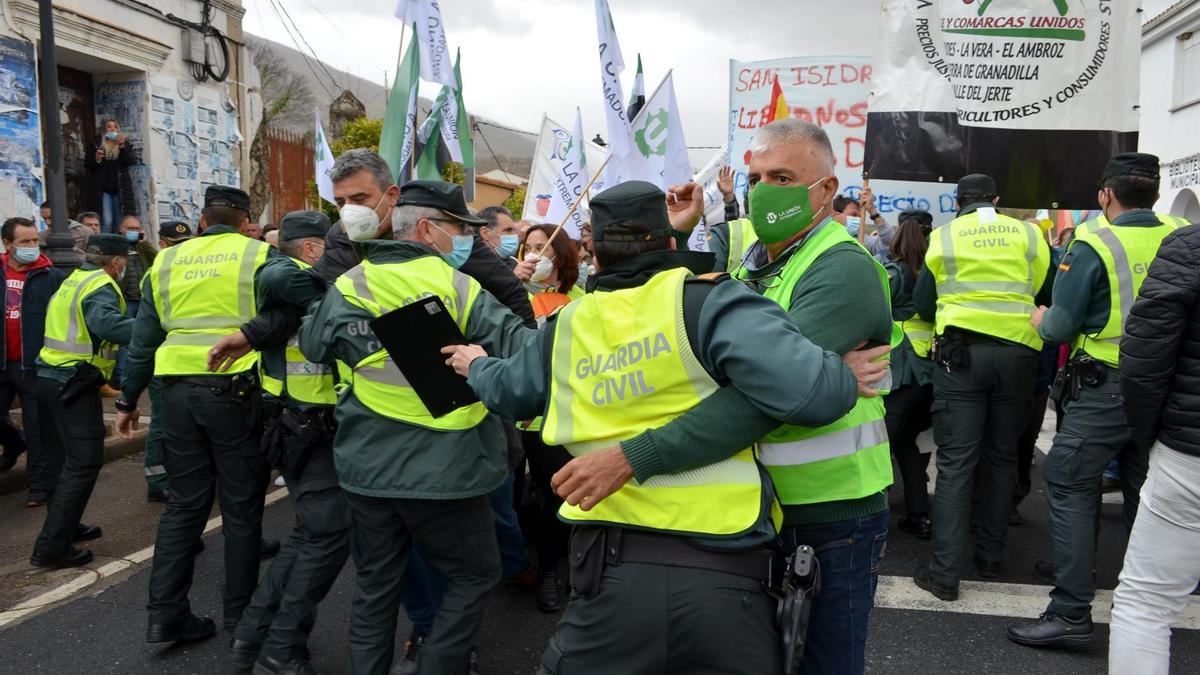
column 831, row 480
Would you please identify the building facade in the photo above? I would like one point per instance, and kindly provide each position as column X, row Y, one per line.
column 143, row 65
column 1170, row 102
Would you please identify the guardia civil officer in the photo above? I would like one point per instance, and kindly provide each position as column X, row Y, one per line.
column 1097, row 283
column 982, row 274
column 409, row 476
column 298, row 438
column 653, row 540
column 85, row 325
column 195, row 293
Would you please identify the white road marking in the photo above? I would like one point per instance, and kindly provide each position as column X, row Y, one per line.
column 92, row 576
column 999, row 599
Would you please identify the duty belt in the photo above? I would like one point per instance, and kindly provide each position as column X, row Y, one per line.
column 629, row 546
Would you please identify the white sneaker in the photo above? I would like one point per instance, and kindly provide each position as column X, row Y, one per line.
column 280, row 482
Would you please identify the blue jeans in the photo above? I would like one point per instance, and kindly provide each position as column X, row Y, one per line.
column 110, row 212
column 423, row 587
column 849, row 553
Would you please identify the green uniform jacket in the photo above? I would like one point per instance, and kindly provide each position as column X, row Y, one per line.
column 105, row 322
column 282, row 282
column 741, row 339
column 148, row 332
column 1082, row 297
column 907, row 368
column 925, row 294
column 381, row 457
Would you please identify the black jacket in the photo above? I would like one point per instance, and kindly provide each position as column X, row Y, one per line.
column 40, row 285
column 484, row 266
column 1160, row 350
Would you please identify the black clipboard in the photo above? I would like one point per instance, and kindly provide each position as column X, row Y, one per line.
column 413, row 336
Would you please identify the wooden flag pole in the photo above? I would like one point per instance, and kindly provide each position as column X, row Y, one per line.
column 578, row 200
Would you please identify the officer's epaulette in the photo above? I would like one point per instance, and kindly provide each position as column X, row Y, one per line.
column 553, row 314
column 711, row 277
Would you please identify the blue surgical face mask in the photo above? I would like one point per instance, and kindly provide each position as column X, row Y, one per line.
column 111, row 135
column 508, row 245
column 28, row 255
column 133, row 237
column 852, row 225
column 460, row 250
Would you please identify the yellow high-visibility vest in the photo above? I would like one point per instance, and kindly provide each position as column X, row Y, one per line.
column 621, row 363
column 68, row 340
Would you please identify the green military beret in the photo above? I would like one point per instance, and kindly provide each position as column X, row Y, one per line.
column 303, row 225
column 640, row 208
column 107, row 244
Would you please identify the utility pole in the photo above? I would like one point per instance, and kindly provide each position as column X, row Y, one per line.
column 60, row 244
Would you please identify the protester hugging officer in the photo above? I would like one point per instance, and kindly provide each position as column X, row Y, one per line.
column 1097, row 283
column 651, row 543
column 298, row 438
column 85, row 323
column 195, row 293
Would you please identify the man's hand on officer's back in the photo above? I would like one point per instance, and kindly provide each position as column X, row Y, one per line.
column 866, row 369
column 461, row 357
column 585, row 481
column 1038, row 314
column 127, row 423
column 227, row 351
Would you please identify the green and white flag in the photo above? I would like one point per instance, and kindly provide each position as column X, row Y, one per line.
column 572, row 177
column 620, row 140
column 447, row 132
column 397, row 140
column 639, row 92
column 660, row 151
column 430, row 32
column 323, row 163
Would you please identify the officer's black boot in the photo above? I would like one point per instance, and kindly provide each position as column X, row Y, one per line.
column 547, row 596
column 191, row 629
column 1052, row 630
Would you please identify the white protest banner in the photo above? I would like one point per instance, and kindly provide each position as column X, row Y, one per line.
column 324, row 162
column 1038, row 94
column 831, row 92
column 548, row 159
column 714, row 201
column 620, row 137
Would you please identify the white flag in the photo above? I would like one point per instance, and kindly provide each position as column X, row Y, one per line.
column 569, row 184
column 620, row 140
column 324, row 163
column 436, row 65
column 548, row 158
column 714, row 201
column 660, row 153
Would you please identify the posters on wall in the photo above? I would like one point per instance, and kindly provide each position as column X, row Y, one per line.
column 199, row 146
column 1038, row 94
column 21, row 188
column 125, row 102
column 831, row 92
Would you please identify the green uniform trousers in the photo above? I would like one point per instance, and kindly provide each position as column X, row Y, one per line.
column 284, row 607
column 213, row 447
column 656, row 619
column 457, row 539
column 1093, row 432
column 156, row 471
column 979, row 412
column 73, row 439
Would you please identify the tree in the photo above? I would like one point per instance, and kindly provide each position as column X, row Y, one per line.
column 516, row 203
column 287, row 100
column 359, row 133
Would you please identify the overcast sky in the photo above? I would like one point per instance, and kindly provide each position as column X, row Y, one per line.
column 525, row 57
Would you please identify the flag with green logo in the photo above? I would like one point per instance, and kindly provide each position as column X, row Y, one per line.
column 397, row 140
column 572, row 177
column 323, row 163
column 659, row 151
column 445, row 136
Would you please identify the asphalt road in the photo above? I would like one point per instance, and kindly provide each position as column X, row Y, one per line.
column 101, row 630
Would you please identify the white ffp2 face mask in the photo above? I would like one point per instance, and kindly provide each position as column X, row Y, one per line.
column 542, row 270
column 361, row 222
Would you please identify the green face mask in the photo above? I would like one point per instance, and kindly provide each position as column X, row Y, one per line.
column 778, row 212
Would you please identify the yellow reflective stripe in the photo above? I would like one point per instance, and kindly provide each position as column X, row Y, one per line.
column 307, row 368
column 826, row 446
column 955, row 287
column 76, row 310
column 164, row 285
column 358, row 276
column 206, row 322
column 998, row 306
column 564, row 428
column 176, row 339
column 386, row 372
column 79, row 348
column 736, row 237
column 245, row 281
column 1122, row 269
column 462, row 289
